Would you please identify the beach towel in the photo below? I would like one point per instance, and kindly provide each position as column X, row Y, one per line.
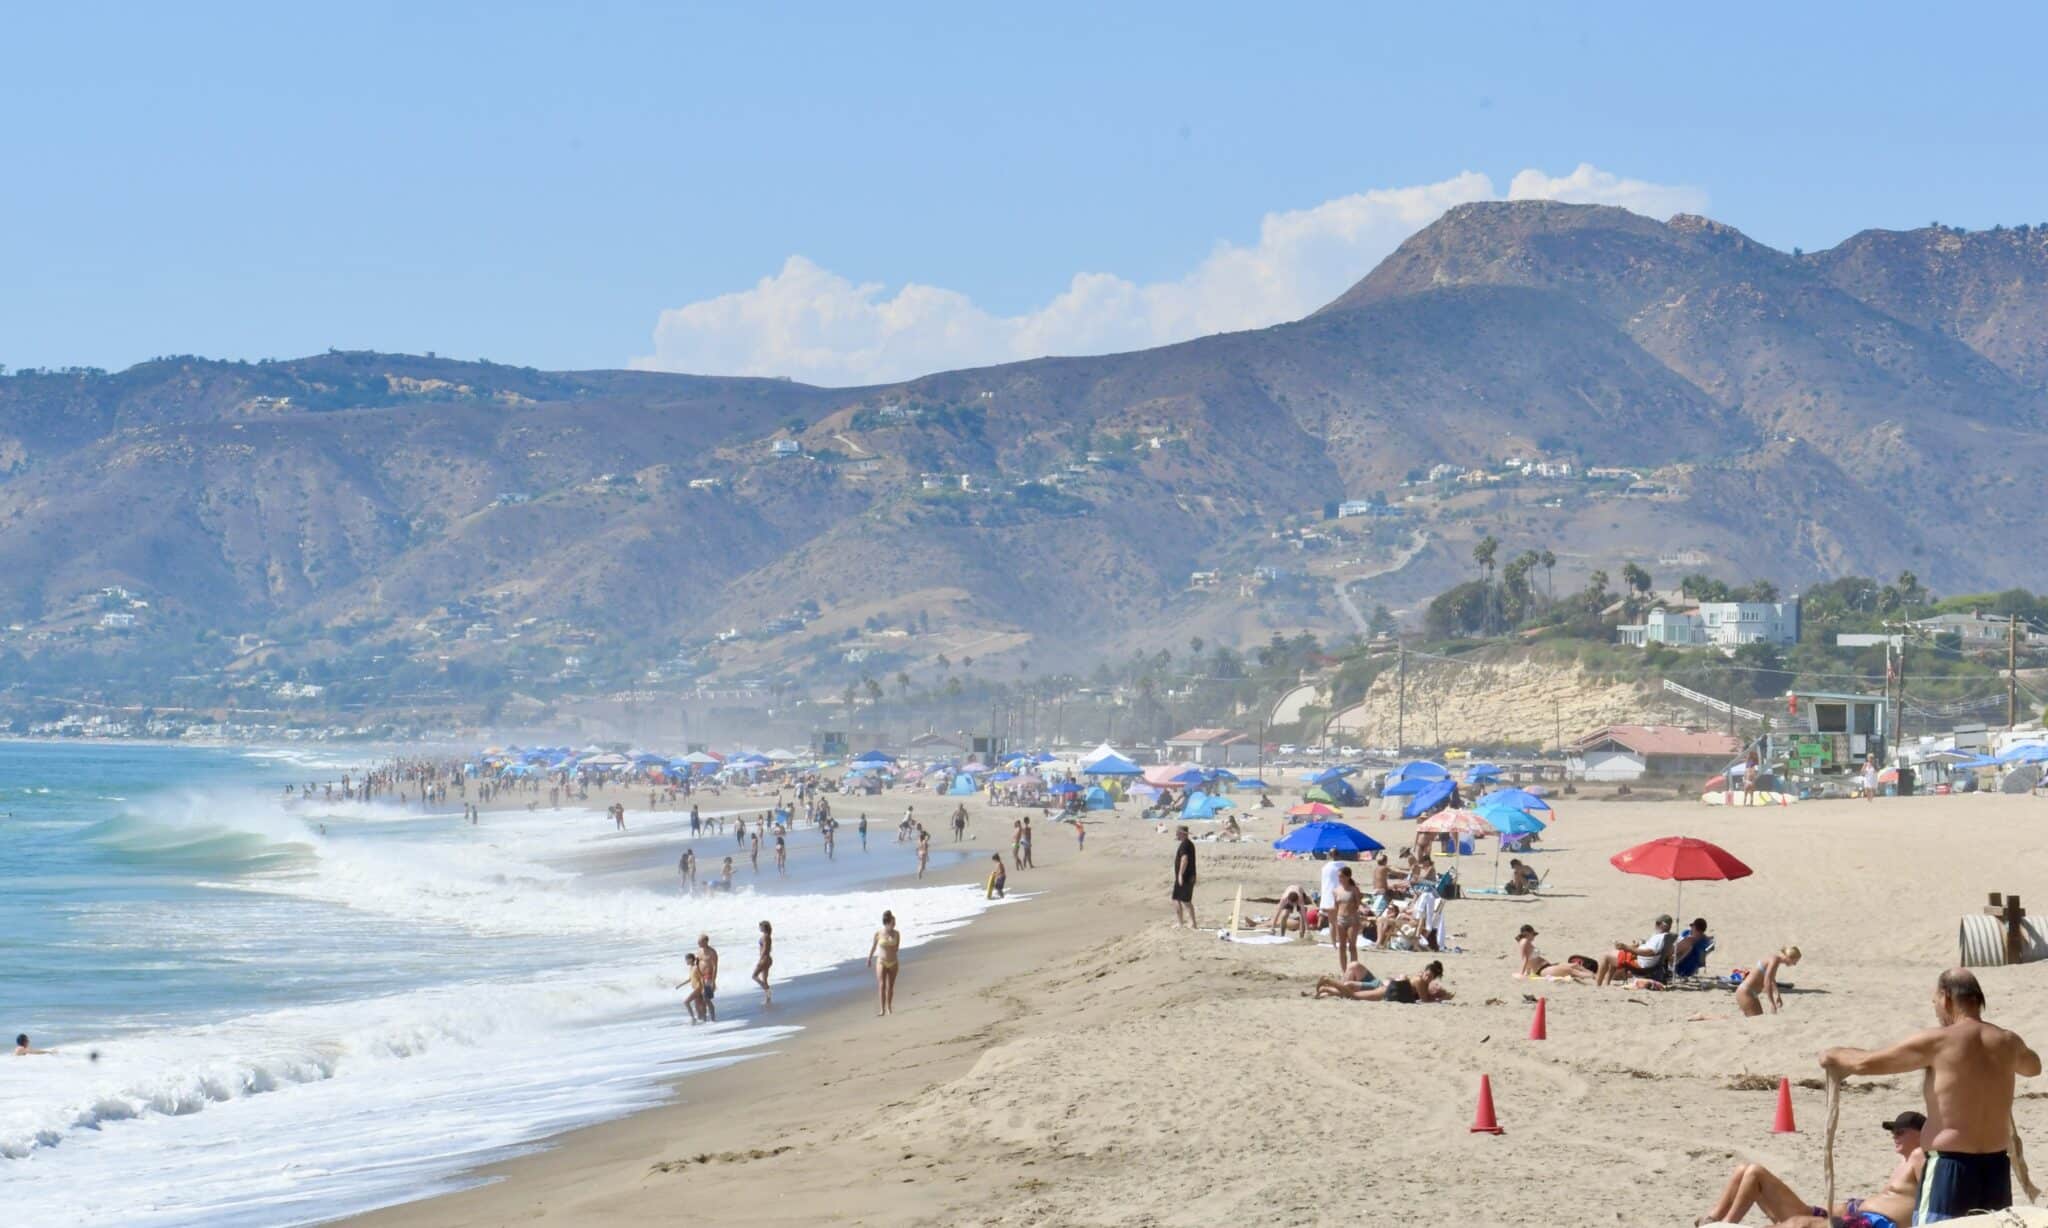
column 1429, row 913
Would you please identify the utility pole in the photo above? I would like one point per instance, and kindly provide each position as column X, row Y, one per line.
column 1401, row 696
column 2012, row 670
column 1556, row 725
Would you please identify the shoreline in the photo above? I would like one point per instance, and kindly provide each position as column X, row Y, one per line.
column 706, row 1122
column 1081, row 1061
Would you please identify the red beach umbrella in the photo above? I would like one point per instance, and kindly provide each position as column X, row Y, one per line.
column 1315, row 810
column 1681, row 859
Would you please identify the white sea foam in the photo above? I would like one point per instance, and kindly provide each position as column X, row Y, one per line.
column 291, row 1115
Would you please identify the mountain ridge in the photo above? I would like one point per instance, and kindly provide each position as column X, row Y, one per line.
column 1787, row 414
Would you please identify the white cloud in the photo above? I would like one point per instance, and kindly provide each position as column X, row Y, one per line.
column 1589, row 185
column 811, row 324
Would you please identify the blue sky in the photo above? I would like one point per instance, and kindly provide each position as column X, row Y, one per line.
column 553, row 185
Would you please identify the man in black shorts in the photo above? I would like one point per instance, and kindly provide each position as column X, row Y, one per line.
column 1971, row 1068
column 1184, row 880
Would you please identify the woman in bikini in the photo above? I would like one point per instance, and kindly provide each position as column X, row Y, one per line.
column 1424, row 986
column 887, row 940
column 1355, row 981
column 765, row 961
column 1535, row 966
column 1344, row 919
column 1761, row 985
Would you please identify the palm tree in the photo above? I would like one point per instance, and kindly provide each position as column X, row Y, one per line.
column 1549, row 561
column 1483, row 554
column 1636, row 578
column 903, row 681
column 1596, row 588
column 874, row 690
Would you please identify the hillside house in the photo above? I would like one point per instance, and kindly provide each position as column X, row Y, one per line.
column 1634, row 752
column 1979, row 630
column 781, row 449
column 1723, row 624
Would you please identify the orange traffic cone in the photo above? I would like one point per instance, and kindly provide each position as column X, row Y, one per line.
column 1538, row 1030
column 1483, row 1122
column 1783, row 1124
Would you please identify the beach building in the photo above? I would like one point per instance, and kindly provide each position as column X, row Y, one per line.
column 1633, row 752
column 936, row 745
column 1832, row 729
column 1214, row 748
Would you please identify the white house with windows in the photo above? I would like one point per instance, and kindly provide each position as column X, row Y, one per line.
column 1733, row 623
column 1722, row 624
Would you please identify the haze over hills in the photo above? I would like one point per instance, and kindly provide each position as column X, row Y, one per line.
column 1870, row 408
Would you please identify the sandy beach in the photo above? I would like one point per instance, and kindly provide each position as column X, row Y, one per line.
column 1075, row 1059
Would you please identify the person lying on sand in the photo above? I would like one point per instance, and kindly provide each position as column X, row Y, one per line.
column 1761, row 985
column 1753, row 1185
column 1423, row 986
column 1534, row 965
column 1356, row 979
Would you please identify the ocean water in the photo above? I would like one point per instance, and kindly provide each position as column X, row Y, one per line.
column 268, row 1015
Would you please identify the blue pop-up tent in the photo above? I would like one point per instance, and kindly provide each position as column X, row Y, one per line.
column 1417, row 769
column 963, row 786
column 1204, row 806
column 1098, row 798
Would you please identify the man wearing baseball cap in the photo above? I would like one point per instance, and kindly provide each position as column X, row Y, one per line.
column 1753, row 1185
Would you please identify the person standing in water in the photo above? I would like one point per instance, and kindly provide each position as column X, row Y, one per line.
column 781, row 854
column 707, row 959
column 686, row 866
column 764, row 961
column 863, row 831
column 754, row 850
column 695, row 1002
column 886, row 942
column 725, row 875
column 924, row 850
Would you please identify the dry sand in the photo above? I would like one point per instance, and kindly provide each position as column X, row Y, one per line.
column 1077, row 1060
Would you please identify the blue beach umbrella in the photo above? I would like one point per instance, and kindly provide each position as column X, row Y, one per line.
column 1431, row 795
column 1509, row 821
column 1520, row 799
column 1482, row 771
column 1327, row 837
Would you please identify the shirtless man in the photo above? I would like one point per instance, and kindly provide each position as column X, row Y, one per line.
column 707, row 959
column 1970, row 1070
column 23, row 1049
column 1753, row 1185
